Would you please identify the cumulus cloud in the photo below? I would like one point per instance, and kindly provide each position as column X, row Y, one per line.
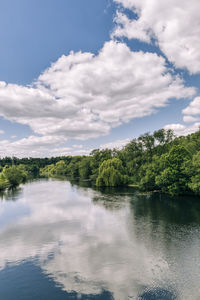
column 83, row 96
column 191, row 118
column 173, row 24
column 130, row 28
column 193, row 110
column 181, row 129
column 35, row 146
column 118, row 144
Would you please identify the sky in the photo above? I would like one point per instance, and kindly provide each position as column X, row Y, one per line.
column 78, row 75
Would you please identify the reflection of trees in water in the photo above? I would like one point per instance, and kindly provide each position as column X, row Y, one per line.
column 10, row 194
column 110, row 203
column 158, row 208
column 113, row 198
column 85, row 248
column 81, row 183
column 165, row 223
column 13, row 194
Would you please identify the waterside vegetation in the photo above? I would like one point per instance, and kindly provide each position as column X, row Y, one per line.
column 153, row 162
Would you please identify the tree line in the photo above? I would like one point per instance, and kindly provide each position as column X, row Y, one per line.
column 154, row 162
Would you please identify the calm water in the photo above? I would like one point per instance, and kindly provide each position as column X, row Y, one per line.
column 59, row 241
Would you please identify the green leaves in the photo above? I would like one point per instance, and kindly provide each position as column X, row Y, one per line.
column 15, row 175
column 111, row 173
column 173, row 178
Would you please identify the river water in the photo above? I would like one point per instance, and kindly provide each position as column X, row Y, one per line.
column 61, row 241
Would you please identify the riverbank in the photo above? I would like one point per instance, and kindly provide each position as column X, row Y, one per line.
column 153, row 162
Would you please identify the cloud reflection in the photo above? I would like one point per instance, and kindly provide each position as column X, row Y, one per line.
column 87, row 248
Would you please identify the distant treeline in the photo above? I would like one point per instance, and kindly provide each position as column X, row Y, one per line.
column 153, row 162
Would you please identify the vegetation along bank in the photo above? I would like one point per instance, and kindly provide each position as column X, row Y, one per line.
column 159, row 161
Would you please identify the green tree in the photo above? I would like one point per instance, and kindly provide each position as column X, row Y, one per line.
column 111, row 173
column 15, row 175
column 148, row 173
column 73, row 167
column 97, row 157
column 60, row 168
column 4, row 183
column 148, row 142
column 174, row 176
column 194, row 183
column 85, row 168
column 47, row 171
column 163, row 136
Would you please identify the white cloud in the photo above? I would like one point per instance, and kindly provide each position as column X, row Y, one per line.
column 78, row 146
column 174, row 24
column 2, row 131
column 180, row 129
column 83, row 96
column 130, row 28
column 118, row 144
column 189, row 119
column 191, row 114
column 34, row 146
column 68, row 151
column 193, row 109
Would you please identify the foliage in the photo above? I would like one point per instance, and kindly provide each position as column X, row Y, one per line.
column 194, row 183
column 15, row 175
column 111, row 173
column 85, row 170
column 173, row 178
column 158, row 161
column 3, row 182
column 148, row 174
column 60, row 168
column 97, row 157
column 73, row 168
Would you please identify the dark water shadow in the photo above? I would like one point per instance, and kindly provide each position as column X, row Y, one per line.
column 113, row 198
column 157, row 294
column 11, row 194
column 184, row 210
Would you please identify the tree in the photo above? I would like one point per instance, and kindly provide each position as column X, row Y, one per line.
column 73, row 167
column 60, row 168
column 163, row 136
column 98, row 156
column 3, row 182
column 174, row 176
column 148, row 173
column 148, row 142
column 111, row 173
column 194, row 183
column 15, row 175
column 85, row 168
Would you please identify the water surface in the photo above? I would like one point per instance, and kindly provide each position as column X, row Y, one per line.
column 60, row 241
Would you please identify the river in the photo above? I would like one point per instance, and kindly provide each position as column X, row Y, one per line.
column 62, row 241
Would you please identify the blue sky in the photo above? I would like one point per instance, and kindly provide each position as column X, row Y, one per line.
column 134, row 68
column 36, row 33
